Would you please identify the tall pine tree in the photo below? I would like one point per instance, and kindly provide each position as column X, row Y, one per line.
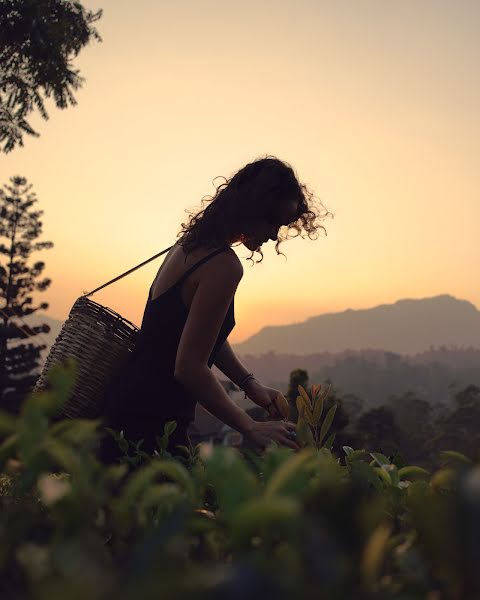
column 20, row 226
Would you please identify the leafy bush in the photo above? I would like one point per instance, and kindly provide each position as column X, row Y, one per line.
column 226, row 523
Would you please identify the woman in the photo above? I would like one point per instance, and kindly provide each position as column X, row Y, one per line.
column 190, row 313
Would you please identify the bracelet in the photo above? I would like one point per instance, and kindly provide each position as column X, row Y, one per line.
column 244, row 380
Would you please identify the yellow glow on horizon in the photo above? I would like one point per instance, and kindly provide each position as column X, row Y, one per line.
column 385, row 132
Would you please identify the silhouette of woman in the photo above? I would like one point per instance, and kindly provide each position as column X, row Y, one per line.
column 190, row 313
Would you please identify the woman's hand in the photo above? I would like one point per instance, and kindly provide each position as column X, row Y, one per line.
column 264, row 397
column 263, row 433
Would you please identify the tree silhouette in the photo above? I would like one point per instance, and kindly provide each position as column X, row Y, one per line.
column 20, row 225
column 377, row 431
column 460, row 428
column 297, row 377
column 38, row 39
column 414, row 417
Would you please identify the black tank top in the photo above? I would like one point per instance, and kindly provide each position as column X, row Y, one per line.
column 146, row 386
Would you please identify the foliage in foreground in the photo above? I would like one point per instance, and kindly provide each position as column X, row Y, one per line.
column 220, row 523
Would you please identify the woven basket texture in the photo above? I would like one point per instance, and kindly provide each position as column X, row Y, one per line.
column 101, row 341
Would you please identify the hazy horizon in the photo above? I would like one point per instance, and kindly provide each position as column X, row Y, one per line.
column 374, row 104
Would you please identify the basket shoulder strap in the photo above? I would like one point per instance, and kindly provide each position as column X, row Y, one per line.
column 127, row 272
column 198, row 264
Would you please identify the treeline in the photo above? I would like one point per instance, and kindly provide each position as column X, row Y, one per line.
column 375, row 375
column 404, row 426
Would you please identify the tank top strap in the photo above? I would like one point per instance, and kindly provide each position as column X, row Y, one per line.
column 198, row 264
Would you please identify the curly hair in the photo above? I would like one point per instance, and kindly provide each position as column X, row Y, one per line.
column 255, row 191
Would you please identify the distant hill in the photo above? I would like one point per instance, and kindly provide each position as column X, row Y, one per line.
column 405, row 327
column 436, row 342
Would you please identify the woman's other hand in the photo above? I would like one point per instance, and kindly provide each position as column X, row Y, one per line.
column 263, row 433
column 264, row 397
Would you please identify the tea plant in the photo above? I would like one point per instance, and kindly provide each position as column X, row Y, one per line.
column 221, row 522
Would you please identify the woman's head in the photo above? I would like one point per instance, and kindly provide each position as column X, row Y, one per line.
column 259, row 202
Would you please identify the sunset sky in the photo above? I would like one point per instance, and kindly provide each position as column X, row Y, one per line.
column 374, row 103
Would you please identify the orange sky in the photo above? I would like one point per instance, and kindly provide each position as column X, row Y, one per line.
column 374, row 103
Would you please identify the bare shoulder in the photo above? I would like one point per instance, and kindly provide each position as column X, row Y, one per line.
column 218, row 280
column 225, row 265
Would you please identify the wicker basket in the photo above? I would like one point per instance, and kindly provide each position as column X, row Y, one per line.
column 101, row 341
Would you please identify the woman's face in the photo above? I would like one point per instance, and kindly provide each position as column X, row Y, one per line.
column 266, row 228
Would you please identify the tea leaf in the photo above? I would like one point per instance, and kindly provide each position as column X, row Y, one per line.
column 379, row 458
column 8, row 448
column 456, row 456
column 304, row 433
column 443, row 479
column 63, row 454
column 374, row 551
column 326, row 423
column 317, row 411
column 233, row 481
column 362, row 472
column 287, row 473
column 412, row 470
column 282, row 405
column 305, row 396
column 393, row 472
column 170, row 427
column 75, row 431
column 304, row 411
column 264, row 513
column 8, row 423
column 164, row 495
column 329, row 443
column 142, row 479
column 383, row 474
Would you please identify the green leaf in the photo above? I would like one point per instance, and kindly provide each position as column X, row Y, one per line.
column 317, row 411
column 304, row 410
column 62, row 454
column 185, row 450
column 327, row 423
column 8, row 423
column 361, row 472
column 277, row 514
column 164, row 496
column 305, row 397
column 75, row 431
column 443, row 479
column 287, row 475
column 329, row 443
column 374, row 553
column 123, row 444
column 8, row 448
column 456, row 456
column 304, row 433
column 232, row 479
column 356, row 454
column 393, row 472
column 170, row 427
column 380, row 459
column 383, row 474
column 412, row 470
column 143, row 478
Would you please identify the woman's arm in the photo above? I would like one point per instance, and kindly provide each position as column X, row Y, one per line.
column 229, row 364
column 203, row 384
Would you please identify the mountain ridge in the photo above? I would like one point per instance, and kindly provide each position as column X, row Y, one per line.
column 406, row 326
